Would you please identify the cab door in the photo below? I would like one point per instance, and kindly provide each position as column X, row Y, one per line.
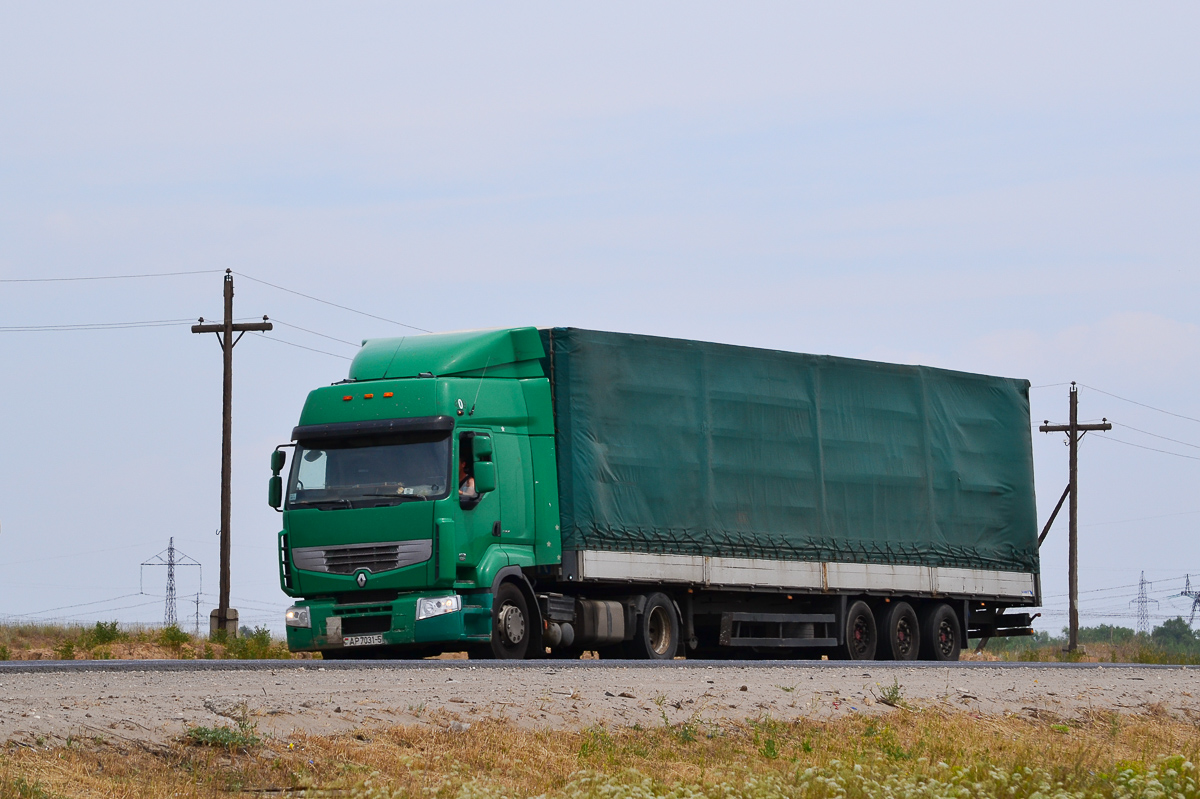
column 481, row 521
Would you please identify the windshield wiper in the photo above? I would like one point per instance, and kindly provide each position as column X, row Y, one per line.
column 399, row 496
column 349, row 504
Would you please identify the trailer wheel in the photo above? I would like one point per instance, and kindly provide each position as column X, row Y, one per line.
column 900, row 637
column 862, row 637
column 510, row 623
column 657, row 633
column 940, row 634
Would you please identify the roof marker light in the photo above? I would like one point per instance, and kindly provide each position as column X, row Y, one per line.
column 347, row 398
column 387, row 394
column 368, row 396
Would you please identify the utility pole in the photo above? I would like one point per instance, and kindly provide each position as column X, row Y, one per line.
column 1075, row 431
column 197, row 629
column 224, row 617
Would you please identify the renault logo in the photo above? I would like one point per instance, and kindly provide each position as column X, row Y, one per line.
column 361, row 579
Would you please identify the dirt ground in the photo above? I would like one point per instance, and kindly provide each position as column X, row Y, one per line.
column 42, row 709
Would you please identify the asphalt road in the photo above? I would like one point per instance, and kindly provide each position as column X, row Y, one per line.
column 50, row 666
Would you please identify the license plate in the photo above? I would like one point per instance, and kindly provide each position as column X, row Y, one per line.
column 362, row 640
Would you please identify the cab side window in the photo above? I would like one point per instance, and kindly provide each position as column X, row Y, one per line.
column 468, row 497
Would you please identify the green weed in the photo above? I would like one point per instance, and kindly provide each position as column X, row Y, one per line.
column 893, row 695
column 172, row 637
column 22, row 789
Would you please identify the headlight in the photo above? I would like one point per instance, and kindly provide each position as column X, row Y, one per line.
column 297, row 617
column 436, row 606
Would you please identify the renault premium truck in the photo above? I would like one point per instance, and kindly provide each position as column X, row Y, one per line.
column 527, row 492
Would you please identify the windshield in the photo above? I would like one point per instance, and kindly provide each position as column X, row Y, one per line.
column 369, row 472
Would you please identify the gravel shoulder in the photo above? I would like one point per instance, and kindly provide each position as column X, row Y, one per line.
column 45, row 707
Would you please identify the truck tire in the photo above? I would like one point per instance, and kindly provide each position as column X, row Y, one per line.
column 862, row 636
column 900, row 636
column 940, row 633
column 657, row 634
column 511, row 623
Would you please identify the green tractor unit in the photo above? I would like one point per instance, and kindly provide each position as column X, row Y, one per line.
column 523, row 493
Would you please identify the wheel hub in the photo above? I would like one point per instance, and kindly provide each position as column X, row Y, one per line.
column 512, row 624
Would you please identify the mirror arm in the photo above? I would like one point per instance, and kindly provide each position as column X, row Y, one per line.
column 275, row 472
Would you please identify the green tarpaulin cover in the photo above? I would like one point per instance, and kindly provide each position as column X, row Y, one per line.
column 671, row 446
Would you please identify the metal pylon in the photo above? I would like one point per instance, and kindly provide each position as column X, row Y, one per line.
column 1193, row 595
column 1143, row 603
column 171, row 557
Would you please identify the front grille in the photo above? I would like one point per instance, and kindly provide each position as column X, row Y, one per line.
column 374, row 558
column 347, row 560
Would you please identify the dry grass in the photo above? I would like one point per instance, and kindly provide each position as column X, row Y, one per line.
column 1137, row 651
column 906, row 753
column 107, row 641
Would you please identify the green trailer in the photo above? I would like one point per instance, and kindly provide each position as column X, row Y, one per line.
column 525, row 493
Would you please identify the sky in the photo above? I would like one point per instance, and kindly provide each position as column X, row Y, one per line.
column 1009, row 190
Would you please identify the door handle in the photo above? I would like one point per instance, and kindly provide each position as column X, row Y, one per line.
column 496, row 529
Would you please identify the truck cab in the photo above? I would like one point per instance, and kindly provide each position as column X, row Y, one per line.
column 417, row 490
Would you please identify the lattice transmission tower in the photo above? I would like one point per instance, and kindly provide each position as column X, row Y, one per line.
column 1143, row 603
column 171, row 557
column 1193, row 595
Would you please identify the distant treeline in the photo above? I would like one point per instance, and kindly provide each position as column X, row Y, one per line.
column 1173, row 638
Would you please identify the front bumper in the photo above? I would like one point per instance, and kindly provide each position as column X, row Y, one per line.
column 334, row 625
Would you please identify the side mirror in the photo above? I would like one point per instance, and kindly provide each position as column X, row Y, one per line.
column 275, row 491
column 485, row 476
column 482, row 447
column 277, row 459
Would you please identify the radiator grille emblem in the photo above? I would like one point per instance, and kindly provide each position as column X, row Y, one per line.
column 361, row 579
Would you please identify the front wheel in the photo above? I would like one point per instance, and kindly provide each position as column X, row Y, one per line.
column 940, row 634
column 511, row 623
column 657, row 633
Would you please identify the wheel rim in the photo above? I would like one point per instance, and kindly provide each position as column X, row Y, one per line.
column 658, row 630
column 512, row 624
column 945, row 639
column 904, row 640
column 860, row 641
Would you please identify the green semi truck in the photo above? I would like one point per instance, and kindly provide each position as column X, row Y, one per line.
column 528, row 492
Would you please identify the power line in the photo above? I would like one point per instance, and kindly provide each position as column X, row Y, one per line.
column 78, row 605
column 68, row 555
column 1142, row 404
column 1156, row 435
column 1152, row 449
column 93, row 326
column 333, row 304
column 278, row 321
column 103, row 277
column 302, row 347
column 1050, row 385
column 109, row 610
column 1142, row 518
